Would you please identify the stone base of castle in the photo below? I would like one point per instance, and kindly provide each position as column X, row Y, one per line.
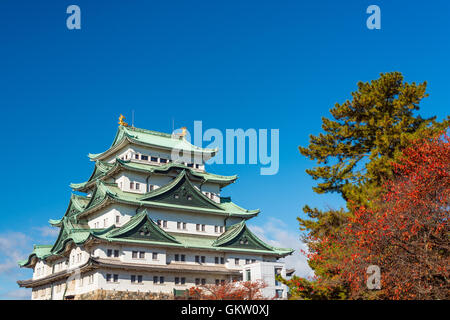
column 122, row 295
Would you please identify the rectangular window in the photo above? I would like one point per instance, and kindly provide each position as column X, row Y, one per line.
column 144, row 157
column 203, row 259
column 105, row 222
column 253, row 260
column 197, row 281
column 203, row 281
column 151, row 187
column 139, row 279
column 108, row 277
column 138, row 185
column 116, row 253
column 236, row 261
column 203, row 227
column 197, row 166
column 164, row 224
column 247, row 261
column 221, row 228
column 177, row 257
column 109, row 253
column 197, row 259
column 197, row 227
column 249, row 275
column 178, row 225
column 222, row 281
column 142, row 255
column 177, row 280
column 161, row 280
column 154, row 159
column 136, row 156
column 133, row 278
column 183, row 280
column 222, row 260
column 184, row 225
column 131, row 185
column 162, row 160
column 216, row 260
column 217, row 282
column 183, row 257
column 117, row 219
column 134, row 254
column 155, row 280
column 155, row 256
column 216, row 229
column 190, row 165
column 159, row 223
column 116, row 278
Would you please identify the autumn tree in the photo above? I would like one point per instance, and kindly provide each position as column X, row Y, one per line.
column 405, row 233
column 354, row 156
column 242, row 290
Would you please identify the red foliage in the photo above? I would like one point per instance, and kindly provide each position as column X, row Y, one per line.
column 406, row 233
column 243, row 290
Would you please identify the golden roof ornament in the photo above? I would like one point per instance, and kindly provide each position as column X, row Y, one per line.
column 183, row 132
column 121, row 122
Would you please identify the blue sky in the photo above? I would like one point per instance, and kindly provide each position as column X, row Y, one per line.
column 231, row 64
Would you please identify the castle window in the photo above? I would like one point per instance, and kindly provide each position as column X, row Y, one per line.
column 177, row 280
column 138, row 185
column 184, row 225
column 161, row 280
column 178, row 225
column 154, row 159
column 221, row 228
column 183, row 257
column 116, row 278
column 136, row 156
column 164, row 223
column 222, row 260
column 197, row 227
column 155, row 280
column 141, row 254
column 216, row 229
column 154, row 255
column 249, row 275
column 217, row 282
column 197, row 281
column 105, row 222
column 197, row 166
column 133, row 278
column 216, row 260
column 134, row 254
column 139, row 278
column 203, row 258
column 144, row 157
column 117, row 219
column 203, row 281
column 159, row 222
column 131, row 185
column 108, row 277
column 197, row 259
column 190, row 165
column 236, row 261
column 116, row 253
column 177, row 257
column 91, row 279
column 109, row 253
column 183, row 280
column 203, row 227
column 151, row 187
column 162, row 160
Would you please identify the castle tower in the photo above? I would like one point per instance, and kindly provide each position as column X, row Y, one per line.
column 146, row 221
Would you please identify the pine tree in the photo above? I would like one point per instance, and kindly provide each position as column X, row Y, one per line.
column 354, row 157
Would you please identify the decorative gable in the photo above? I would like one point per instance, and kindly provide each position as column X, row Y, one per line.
column 181, row 192
column 141, row 227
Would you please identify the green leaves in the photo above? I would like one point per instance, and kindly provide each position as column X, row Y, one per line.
column 355, row 152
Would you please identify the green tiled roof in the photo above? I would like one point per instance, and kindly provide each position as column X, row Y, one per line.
column 151, row 139
column 103, row 170
column 202, row 204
